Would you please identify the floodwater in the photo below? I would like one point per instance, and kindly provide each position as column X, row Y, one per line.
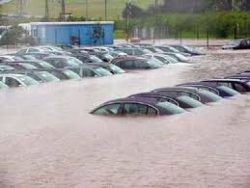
column 48, row 139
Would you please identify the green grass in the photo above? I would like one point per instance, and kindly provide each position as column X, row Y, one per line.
column 76, row 7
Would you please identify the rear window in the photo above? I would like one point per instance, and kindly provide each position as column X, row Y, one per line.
column 228, row 90
column 170, row 108
column 190, row 101
column 210, row 95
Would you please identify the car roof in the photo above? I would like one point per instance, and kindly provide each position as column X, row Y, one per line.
column 225, row 79
column 141, row 100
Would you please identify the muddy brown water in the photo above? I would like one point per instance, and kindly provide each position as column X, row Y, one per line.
column 48, row 139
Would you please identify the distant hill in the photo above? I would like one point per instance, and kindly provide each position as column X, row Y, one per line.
column 76, row 7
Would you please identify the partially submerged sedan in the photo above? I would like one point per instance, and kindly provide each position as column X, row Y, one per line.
column 137, row 107
column 185, row 102
column 241, row 86
column 201, row 95
column 222, row 91
column 133, row 63
column 17, row 80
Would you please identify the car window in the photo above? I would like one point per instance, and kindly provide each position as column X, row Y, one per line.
column 22, row 51
column 228, row 90
column 227, row 84
column 170, row 108
column 111, row 109
column 127, row 64
column 32, row 50
column 138, row 109
column 240, row 88
column 11, row 82
column 210, row 95
column 189, row 101
column 140, row 65
column 87, row 73
column 190, row 95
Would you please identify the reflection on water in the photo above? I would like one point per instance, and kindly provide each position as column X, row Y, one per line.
column 48, row 139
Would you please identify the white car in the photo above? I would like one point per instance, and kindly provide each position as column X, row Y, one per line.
column 17, row 80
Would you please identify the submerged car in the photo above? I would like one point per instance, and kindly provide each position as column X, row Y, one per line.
column 222, row 91
column 184, row 102
column 17, row 80
column 89, row 70
column 3, row 86
column 241, row 86
column 186, row 49
column 201, row 95
column 137, row 107
column 133, row 63
column 237, row 44
column 63, row 61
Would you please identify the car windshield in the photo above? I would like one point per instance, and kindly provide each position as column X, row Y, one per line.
column 210, row 95
column 95, row 59
column 3, row 86
column 170, row 107
column 47, row 77
column 229, row 90
column 45, row 65
column 6, row 67
column 71, row 74
column 28, row 81
column 234, row 42
column 28, row 66
column 190, row 101
column 102, row 72
column 116, row 69
column 155, row 63
column 74, row 62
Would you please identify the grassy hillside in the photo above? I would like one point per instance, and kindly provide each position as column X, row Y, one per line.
column 76, row 7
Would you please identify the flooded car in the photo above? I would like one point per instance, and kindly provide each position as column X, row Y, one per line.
column 241, row 86
column 17, row 80
column 184, row 102
column 237, row 44
column 137, row 107
column 201, row 95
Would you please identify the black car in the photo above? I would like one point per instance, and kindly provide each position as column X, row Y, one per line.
column 222, row 91
column 137, row 107
column 241, row 86
column 238, row 44
column 184, row 102
column 201, row 95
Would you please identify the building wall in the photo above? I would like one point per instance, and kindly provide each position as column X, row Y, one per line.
column 86, row 34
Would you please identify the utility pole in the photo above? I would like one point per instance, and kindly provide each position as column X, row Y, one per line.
column 87, row 9
column 105, row 10
column 20, row 7
column 63, row 10
column 46, row 10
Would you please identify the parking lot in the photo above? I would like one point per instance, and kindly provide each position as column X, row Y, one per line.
column 49, row 139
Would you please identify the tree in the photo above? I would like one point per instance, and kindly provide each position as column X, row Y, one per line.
column 132, row 11
column 13, row 36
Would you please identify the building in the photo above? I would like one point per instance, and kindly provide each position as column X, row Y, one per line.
column 74, row 33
